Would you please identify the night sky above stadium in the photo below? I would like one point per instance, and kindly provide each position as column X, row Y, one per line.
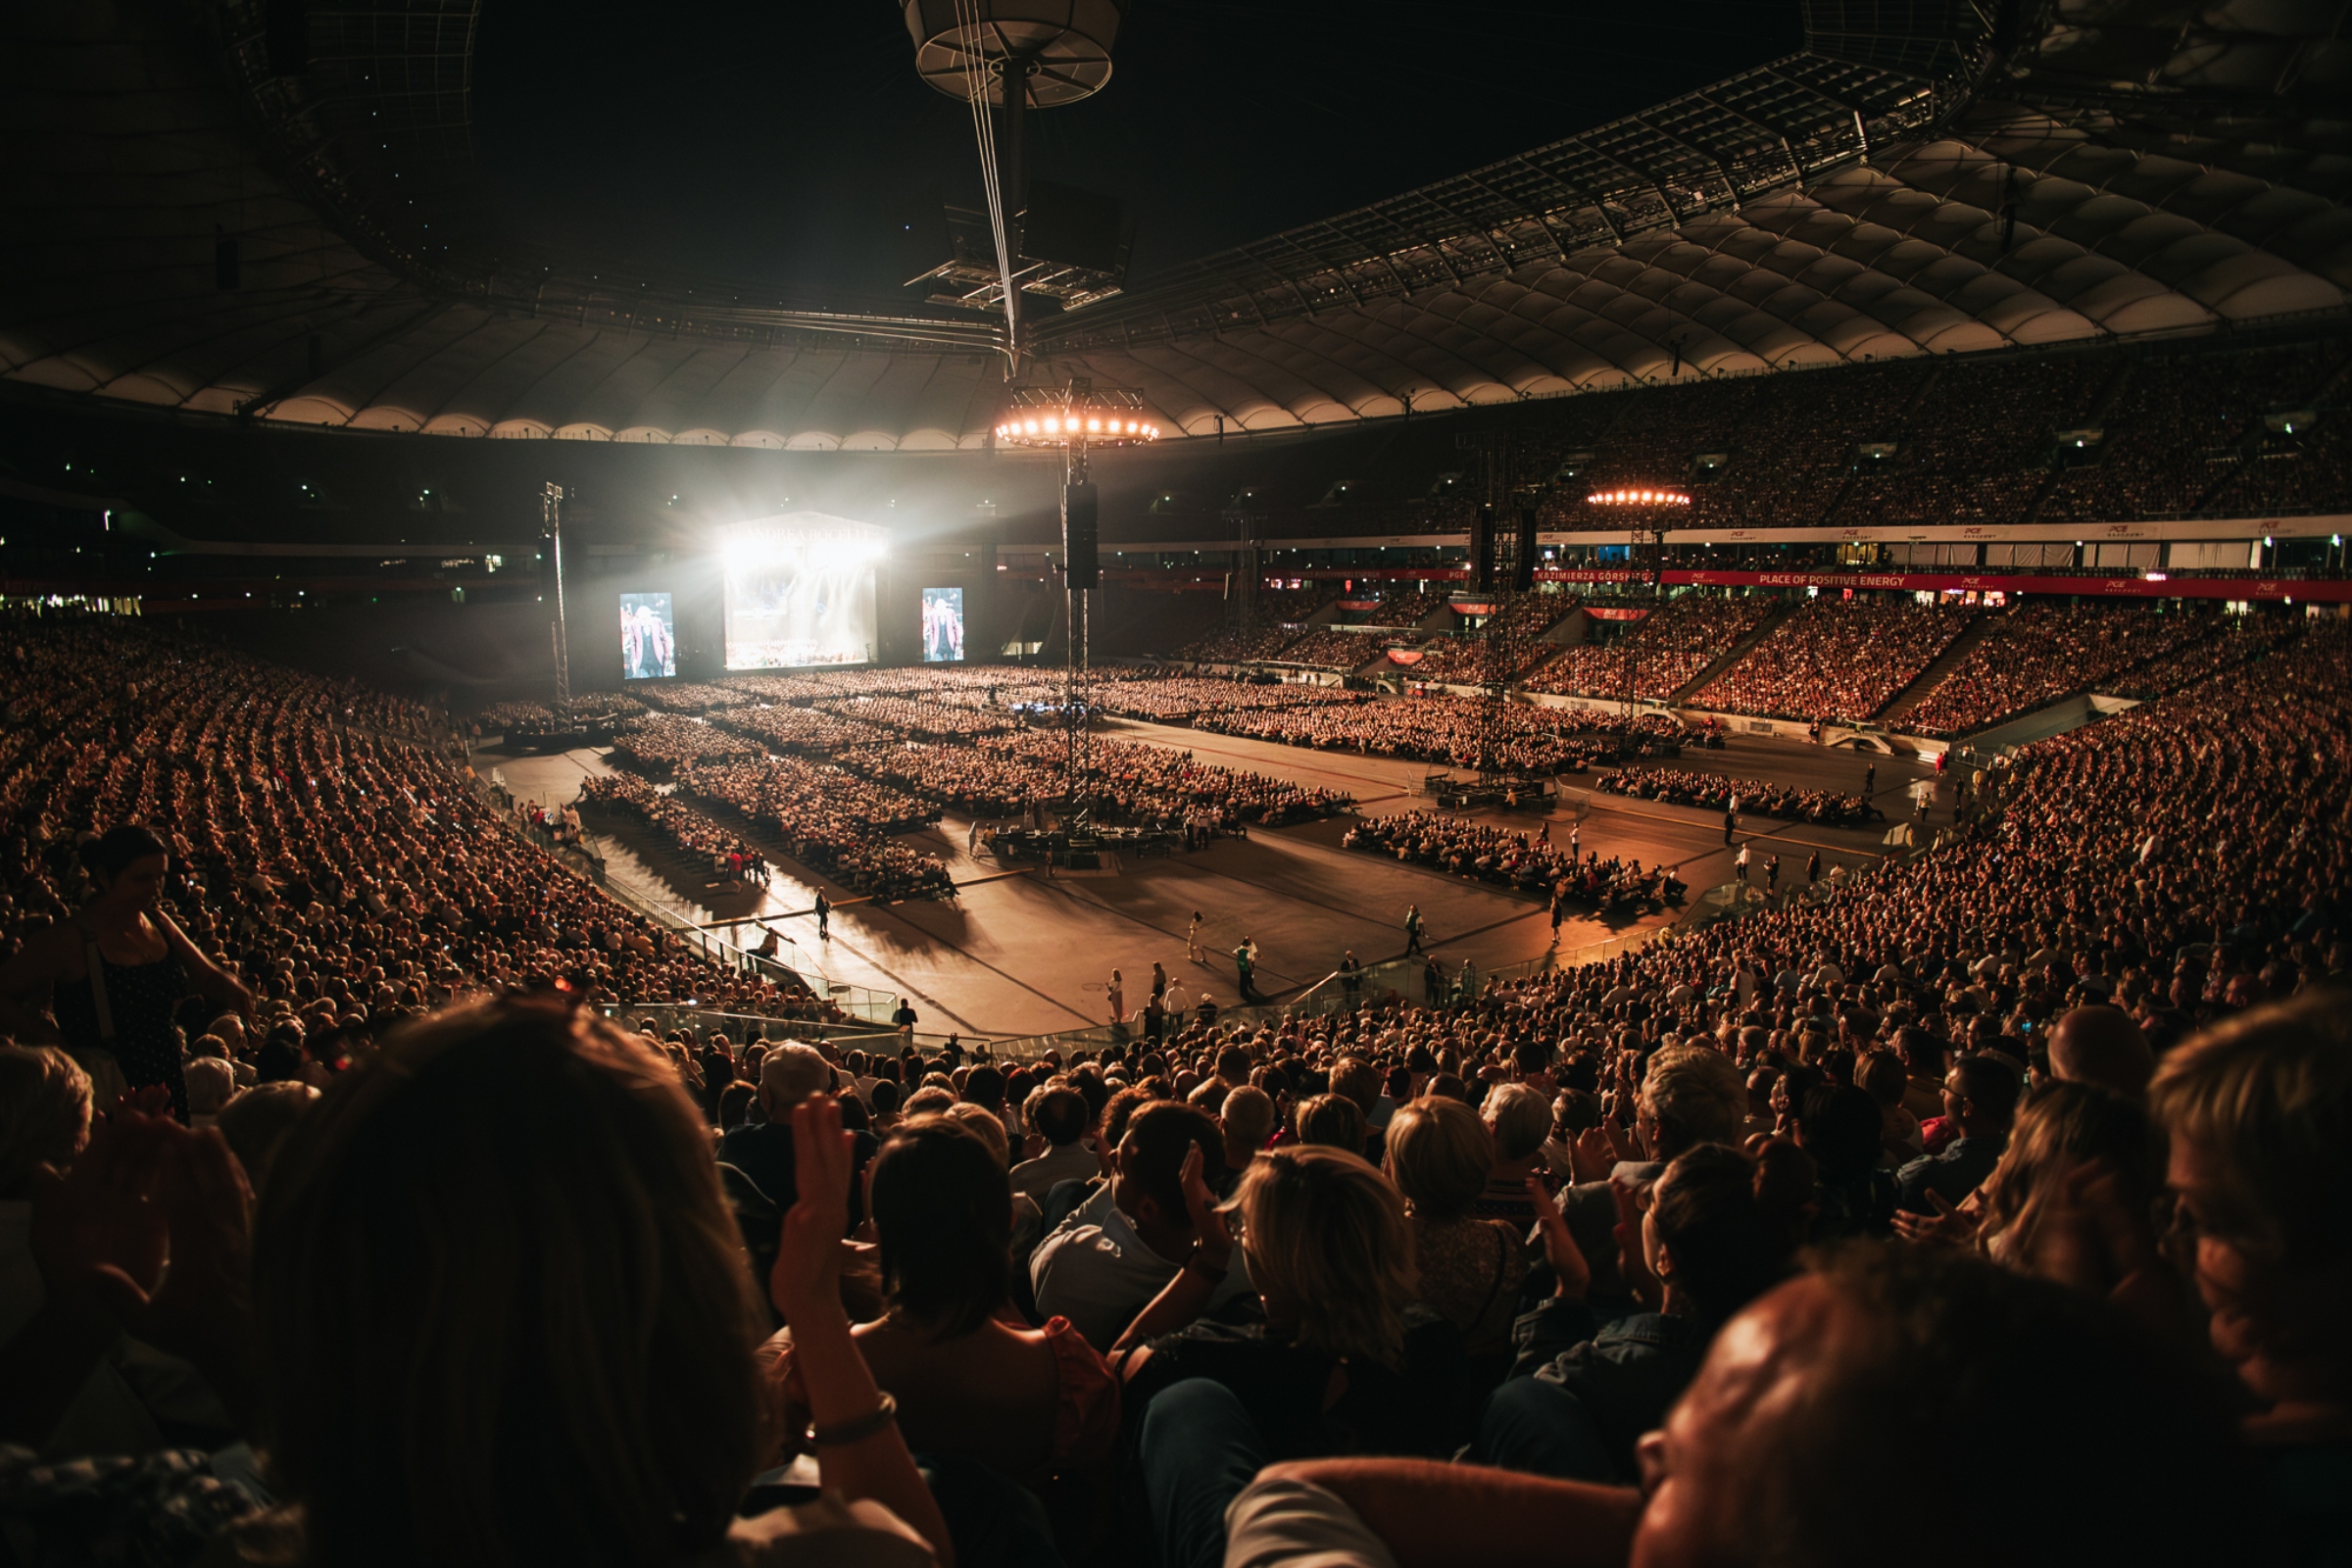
column 792, row 144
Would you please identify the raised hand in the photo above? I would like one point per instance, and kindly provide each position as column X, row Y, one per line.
column 1592, row 1155
column 806, row 1275
column 1946, row 1227
column 1567, row 1259
column 1214, row 1237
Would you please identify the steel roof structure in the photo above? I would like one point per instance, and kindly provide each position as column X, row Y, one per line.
column 225, row 216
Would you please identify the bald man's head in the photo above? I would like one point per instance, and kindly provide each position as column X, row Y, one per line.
column 2103, row 1048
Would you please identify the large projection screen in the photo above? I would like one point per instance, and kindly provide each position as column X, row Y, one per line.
column 943, row 626
column 649, row 637
column 800, row 592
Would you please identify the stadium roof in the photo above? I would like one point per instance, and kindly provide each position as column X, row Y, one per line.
column 1909, row 184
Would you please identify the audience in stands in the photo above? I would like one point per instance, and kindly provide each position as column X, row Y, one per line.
column 1835, row 658
column 495, row 1301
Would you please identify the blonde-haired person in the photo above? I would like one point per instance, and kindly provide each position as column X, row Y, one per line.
column 508, row 1317
column 2259, row 1114
column 1345, row 1362
column 44, row 1115
column 1440, row 1156
column 2028, row 1215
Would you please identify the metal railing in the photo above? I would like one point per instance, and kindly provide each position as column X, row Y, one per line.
column 666, row 1017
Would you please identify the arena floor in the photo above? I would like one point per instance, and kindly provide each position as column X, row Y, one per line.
column 1020, row 951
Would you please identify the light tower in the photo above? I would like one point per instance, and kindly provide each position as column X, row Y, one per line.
column 550, row 515
column 1077, row 418
column 1649, row 509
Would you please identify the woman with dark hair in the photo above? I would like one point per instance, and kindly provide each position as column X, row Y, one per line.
column 509, row 1319
column 971, row 1381
column 1843, row 1129
column 115, row 975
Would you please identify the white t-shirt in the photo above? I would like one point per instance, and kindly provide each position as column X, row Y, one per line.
column 1096, row 1272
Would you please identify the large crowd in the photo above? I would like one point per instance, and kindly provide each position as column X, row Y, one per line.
column 831, row 819
column 1665, row 651
column 1531, row 861
column 1717, row 792
column 327, row 845
column 662, row 742
column 1331, row 647
column 1168, row 698
column 1836, row 658
column 1987, row 1208
column 1451, row 731
column 2038, row 652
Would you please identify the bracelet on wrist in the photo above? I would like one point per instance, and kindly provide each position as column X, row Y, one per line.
column 882, row 1416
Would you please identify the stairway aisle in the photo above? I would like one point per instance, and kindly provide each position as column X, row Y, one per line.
column 1930, row 677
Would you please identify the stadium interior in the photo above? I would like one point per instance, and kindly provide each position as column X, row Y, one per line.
column 1721, row 741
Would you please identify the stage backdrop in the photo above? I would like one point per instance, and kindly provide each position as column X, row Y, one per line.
column 799, row 591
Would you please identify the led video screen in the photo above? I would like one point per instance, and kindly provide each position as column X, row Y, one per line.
column 943, row 626
column 797, row 598
column 649, row 637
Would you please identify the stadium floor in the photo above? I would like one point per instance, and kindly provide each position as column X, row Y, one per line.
column 1023, row 952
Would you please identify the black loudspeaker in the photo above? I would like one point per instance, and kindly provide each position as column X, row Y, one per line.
column 1523, row 561
column 1482, row 549
column 1080, row 551
column 226, row 273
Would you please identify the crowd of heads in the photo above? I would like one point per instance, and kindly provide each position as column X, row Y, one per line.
column 1690, row 786
column 1738, row 1247
column 1448, row 730
column 2037, row 653
column 1661, row 654
column 1836, row 658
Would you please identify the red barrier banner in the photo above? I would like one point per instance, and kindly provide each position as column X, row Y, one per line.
column 1614, row 613
column 1406, row 655
column 2266, row 588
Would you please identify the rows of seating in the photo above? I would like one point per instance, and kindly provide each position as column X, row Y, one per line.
column 2038, row 652
column 1661, row 654
column 1835, row 658
column 325, row 839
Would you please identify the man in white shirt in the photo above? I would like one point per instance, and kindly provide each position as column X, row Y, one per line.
column 1109, row 1259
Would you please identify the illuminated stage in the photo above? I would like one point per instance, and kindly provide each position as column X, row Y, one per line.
column 799, row 591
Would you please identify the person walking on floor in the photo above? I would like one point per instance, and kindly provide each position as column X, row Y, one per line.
column 1739, row 864
column 1812, row 867
column 1731, row 822
column 1118, row 997
column 1159, row 982
column 1245, row 965
column 1576, row 842
column 1869, row 779
column 1191, row 940
column 1771, row 874
column 1412, row 929
column 825, row 916
column 1559, row 912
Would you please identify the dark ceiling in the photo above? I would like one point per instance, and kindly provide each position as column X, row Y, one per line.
column 769, row 142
